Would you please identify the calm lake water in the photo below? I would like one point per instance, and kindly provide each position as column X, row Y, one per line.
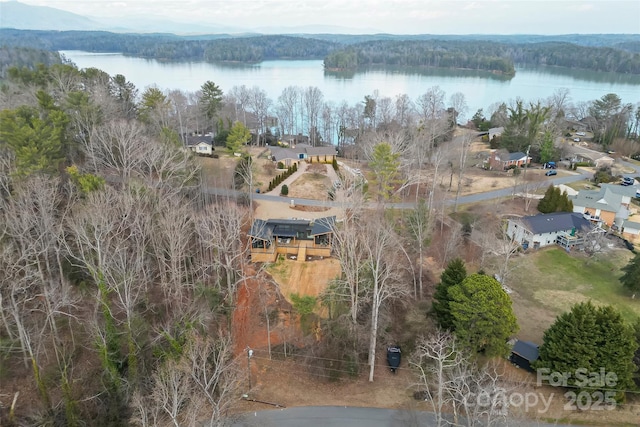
column 480, row 89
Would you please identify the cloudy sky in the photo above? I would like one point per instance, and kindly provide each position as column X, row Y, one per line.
column 391, row 16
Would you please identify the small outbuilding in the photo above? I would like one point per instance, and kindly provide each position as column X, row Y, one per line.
column 523, row 354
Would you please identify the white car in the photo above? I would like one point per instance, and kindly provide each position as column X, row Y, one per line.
column 576, row 139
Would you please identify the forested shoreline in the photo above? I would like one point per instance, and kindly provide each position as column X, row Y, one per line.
column 348, row 52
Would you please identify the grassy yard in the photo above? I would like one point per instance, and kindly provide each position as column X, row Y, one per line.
column 548, row 282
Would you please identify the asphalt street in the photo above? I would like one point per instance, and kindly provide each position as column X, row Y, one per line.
column 342, row 416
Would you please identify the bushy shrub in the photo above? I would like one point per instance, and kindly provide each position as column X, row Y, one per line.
column 284, row 190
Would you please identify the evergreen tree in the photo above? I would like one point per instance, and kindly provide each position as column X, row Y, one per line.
column 238, row 137
column 384, row 164
column 590, row 338
column 631, row 277
column 454, row 274
column 483, row 317
column 555, row 201
column 35, row 136
column 210, row 99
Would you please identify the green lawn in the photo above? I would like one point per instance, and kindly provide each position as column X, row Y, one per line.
column 548, row 282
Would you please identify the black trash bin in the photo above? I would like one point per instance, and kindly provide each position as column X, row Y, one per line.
column 393, row 357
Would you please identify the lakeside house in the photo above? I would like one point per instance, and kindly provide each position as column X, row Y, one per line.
column 297, row 238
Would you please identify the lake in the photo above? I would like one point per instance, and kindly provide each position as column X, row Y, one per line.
column 480, row 89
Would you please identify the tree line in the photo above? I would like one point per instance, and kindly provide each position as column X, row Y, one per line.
column 500, row 57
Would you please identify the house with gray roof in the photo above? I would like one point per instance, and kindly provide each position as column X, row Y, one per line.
column 303, row 152
column 200, row 144
column 566, row 229
column 503, row 160
column 630, row 229
column 296, row 238
column 609, row 205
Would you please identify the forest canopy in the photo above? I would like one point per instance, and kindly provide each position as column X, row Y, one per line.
column 350, row 52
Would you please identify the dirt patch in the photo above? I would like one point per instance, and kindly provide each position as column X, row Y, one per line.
column 314, row 184
column 309, row 278
column 309, row 208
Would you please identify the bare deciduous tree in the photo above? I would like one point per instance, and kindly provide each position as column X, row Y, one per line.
column 384, row 263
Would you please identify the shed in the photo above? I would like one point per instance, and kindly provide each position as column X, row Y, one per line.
column 523, row 354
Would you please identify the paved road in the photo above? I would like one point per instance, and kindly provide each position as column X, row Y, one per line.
column 471, row 198
column 339, row 416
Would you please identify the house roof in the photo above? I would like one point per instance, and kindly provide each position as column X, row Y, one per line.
column 193, row 140
column 608, row 197
column 631, row 224
column 281, row 153
column 526, row 349
column 554, row 222
column 624, row 190
column 495, row 132
column 516, row 156
column 268, row 229
column 323, row 225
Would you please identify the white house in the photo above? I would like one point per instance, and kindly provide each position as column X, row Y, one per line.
column 537, row 231
column 200, row 144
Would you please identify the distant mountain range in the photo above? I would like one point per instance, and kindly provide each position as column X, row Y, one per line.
column 21, row 16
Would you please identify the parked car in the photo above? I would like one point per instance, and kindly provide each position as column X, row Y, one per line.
column 627, row 181
column 576, row 139
column 581, row 134
column 551, row 172
column 550, row 165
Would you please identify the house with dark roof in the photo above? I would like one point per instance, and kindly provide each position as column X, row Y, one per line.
column 523, row 354
column 296, row 238
column 567, row 229
column 303, row 152
column 503, row 160
column 200, row 144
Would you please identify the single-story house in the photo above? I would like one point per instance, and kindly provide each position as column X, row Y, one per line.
column 523, row 354
column 502, row 159
column 296, row 237
column 598, row 159
column 200, row 144
column 566, row 229
column 610, row 204
column 303, row 152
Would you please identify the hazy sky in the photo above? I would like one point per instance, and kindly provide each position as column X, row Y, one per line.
column 392, row 16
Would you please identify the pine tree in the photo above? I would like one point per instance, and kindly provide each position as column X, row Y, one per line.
column 631, row 277
column 590, row 338
column 483, row 317
column 454, row 274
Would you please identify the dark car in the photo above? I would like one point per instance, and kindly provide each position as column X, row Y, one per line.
column 393, row 357
column 551, row 172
